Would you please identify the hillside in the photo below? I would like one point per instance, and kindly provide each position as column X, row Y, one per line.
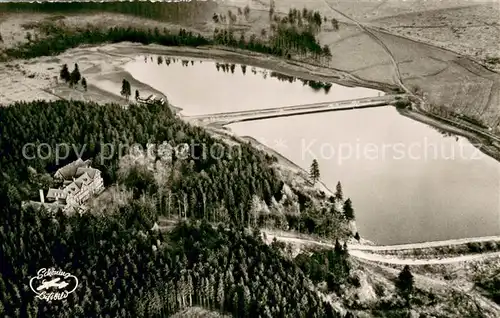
column 176, row 235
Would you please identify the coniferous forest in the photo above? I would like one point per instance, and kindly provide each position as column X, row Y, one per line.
column 126, row 267
column 231, row 179
column 126, row 270
column 286, row 41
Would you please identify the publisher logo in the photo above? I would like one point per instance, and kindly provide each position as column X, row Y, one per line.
column 50, row 284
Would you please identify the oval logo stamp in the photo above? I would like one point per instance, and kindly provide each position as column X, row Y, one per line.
column 51, row 284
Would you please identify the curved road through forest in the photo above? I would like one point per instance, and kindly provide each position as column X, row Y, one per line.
column 362, row 252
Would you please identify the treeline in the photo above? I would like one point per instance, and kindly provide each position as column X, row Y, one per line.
column 126, row 270
column 316, row 85
column 305, row 18
column 301, row 42
column 284, row 43
column 58, row 38
column 288, row 37
column 162, row 11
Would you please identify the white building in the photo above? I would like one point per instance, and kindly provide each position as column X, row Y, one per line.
column 79, row 183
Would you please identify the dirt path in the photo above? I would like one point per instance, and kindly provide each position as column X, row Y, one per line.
column 418, row 262
column 379, row 264
column 380, row 42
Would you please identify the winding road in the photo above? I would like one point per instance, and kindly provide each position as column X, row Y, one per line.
column 363, row 251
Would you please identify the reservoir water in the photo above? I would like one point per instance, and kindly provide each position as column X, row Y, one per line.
column 203, row 87
column 408, row 182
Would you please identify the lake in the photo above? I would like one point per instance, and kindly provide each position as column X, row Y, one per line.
column 201, row 88
column 408, row 182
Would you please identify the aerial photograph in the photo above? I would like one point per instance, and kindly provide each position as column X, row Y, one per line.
column 250, row 158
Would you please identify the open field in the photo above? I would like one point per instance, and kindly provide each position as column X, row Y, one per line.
column 468, row 27
column 446, row 79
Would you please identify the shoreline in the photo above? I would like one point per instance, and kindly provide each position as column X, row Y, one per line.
column 289, row 67
column 292, row 167
column 120, row 53
column 124, row 52
column 305, row 71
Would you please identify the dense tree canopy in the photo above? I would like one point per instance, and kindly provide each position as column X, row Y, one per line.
column 126, row 270
column 211, row 183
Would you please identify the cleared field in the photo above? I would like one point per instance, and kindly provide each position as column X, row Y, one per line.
column 433, row 63
column 472, row 30
column 458, row 84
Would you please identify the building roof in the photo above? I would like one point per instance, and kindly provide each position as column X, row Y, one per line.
column 68, row 171
column 73, row 187
column 91, row 172
column 56, row 194
column 73, row 183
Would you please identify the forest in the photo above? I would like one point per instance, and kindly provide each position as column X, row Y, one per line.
column 161, row 11
column 88, row 126
column 127, row 269
column 226, row 186
column 58, row 39
column 286, row 40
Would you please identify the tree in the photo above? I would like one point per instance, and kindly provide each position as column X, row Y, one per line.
column 84, row 84
column 348, row 210
column 317, row 18
column 314, row 171
column 338, row 247
column 1, row 39
column 335, row 24
column 126, row 90
column 326, row 51
column 137, row 94
column 64, row 74
column 405, row 283
column 246, row 11
column 75, row 76
column 272, row 7
column 338, row 193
